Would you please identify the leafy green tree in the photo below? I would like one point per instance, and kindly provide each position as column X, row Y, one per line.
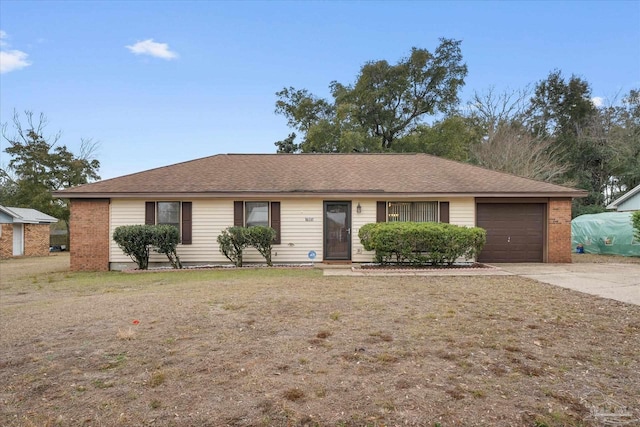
column 386, row 103
column 288, row 144
column 624, row 132
column 39, row 165
column 452, row 137
column 562, row 110
column 635, row 221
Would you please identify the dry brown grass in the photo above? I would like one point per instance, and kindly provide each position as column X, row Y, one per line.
column 604, row 259
column 293, row 348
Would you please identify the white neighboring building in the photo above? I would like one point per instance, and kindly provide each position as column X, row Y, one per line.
column 629, row 202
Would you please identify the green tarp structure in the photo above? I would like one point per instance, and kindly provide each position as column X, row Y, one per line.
column 605, row 233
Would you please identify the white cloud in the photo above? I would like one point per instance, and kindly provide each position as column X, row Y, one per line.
column 598, row 101
column 149, row 47
column 10, row 59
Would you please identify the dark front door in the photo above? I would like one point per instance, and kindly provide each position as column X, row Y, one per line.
column 337, row 231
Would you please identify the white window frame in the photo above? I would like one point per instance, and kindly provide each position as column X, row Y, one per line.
column 246, row 213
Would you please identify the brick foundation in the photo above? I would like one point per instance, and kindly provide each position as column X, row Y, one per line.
column 89, row 235
column 559, row 231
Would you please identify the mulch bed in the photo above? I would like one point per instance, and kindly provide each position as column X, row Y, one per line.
column 474, row 265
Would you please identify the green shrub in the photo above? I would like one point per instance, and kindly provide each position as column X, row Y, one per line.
column 261, row 238
column 135, row 240
column 421, row 242
column 165, row 239
column 232, row 242
column 635, row 221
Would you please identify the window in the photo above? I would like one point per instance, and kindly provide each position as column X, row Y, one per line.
column 256, row 213
column 169, row 214
column 177, row 214
column 412, row 211
column 248, row 214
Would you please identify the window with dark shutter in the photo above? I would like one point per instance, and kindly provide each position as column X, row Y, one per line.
column 444, row 212
column 275, row 220
column 186, row 223
column 150, row 213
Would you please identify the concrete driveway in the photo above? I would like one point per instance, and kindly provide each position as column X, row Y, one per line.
column 620, row 282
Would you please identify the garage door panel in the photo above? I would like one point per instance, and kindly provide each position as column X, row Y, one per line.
column 515, row 231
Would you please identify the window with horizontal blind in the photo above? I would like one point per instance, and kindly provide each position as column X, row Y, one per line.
column 412, row 211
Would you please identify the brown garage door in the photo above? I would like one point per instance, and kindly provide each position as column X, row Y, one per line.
column 515, row 231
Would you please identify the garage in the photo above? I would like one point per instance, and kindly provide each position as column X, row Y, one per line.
column 515, row 231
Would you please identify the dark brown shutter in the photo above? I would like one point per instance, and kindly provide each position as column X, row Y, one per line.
column 150, row 213
column 381, row 211
column 275, row 221
column 238, row 214
column 186, row 223
column 444, row 212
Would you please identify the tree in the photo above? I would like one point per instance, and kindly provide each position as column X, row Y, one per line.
column 453, row 138
column 635, row 222
column 385, row 103
column 512, row 149
column 490, row 110
column 506, row 144
column 563, row 110
column 625, row 136
column 39, row 165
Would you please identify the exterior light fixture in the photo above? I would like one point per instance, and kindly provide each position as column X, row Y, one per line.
column 359, row 208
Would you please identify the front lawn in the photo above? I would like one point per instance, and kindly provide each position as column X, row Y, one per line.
column 276, row 347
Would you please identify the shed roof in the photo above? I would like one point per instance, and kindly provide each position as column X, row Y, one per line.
column 27, row 216
column 300, row 174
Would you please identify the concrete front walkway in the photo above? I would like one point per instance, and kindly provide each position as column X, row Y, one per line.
column 620, row 282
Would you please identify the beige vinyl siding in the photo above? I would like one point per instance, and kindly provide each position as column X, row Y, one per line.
column 123, row 212
column 462, row 212
column 302, row 229
column 301, row 232
column 368, row 215
column 209, row 218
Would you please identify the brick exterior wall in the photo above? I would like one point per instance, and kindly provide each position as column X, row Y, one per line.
column 36, row 240
column 6, row 241
column 89, row 235
column 559, row 231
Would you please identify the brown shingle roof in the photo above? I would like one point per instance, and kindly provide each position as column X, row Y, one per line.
column 418, row 174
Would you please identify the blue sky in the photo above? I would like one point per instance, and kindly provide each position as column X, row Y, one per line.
column 162, row 82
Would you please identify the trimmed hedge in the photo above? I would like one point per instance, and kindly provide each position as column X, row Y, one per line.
column 137, row 240
column 421, row 242
column 234, row 240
